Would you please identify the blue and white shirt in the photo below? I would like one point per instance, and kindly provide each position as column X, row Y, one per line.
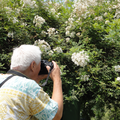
column 24, row 99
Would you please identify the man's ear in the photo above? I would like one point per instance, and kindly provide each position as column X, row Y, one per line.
column 32, row 66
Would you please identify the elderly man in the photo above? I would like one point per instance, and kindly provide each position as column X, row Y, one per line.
column 21, row 98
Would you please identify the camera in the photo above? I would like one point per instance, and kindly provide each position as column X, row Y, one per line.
column 45, row 63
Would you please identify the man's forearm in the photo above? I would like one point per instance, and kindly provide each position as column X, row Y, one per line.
column 58, row 97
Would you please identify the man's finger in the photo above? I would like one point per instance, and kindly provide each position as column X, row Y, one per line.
column 48, row 68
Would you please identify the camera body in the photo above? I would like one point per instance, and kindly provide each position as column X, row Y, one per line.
column 45, row 63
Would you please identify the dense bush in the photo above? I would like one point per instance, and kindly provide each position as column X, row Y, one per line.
column 83, row 37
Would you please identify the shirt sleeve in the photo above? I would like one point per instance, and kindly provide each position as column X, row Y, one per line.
column 42, row 107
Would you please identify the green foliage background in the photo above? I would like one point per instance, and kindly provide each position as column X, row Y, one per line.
column 98, row 98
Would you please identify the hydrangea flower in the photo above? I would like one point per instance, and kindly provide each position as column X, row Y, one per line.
column 80, row 59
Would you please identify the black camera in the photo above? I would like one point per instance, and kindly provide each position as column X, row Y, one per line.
column 45, row 63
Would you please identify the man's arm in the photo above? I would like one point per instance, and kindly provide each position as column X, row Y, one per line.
column 58, row 97
column 57, row 90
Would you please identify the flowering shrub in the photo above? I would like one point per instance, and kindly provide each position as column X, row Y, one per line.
column 82, row 36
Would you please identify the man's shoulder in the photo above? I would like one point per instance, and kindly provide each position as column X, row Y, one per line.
column 32, row 88
column 3, row 77
column 22, row 84
column 25, row 82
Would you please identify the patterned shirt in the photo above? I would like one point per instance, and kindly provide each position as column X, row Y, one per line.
column 24, row 99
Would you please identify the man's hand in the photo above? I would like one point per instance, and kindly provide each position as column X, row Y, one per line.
column 55, row 73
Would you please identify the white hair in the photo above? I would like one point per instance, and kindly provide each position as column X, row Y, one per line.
column 24, row 55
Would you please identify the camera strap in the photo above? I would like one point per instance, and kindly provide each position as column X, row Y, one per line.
column 6, row 80
column 46, row 78
column 13, row 72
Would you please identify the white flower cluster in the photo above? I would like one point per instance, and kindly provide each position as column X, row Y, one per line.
column 8, row 10
column 58, row 50
column 42, row 44
column 117, row 7
column 70, row 27
column 24, row 24
column 100, row 18
column 53, row 11
column 117, row 14
column 15, row 20
column 30, row 3
column 67, row 39
column 85, row 77
column 38, row 21
column 118, row 79
column 105, row 14
column 72, row 34
column 10, row 34
column 80, row 58
column 78, row 34
column 81, row 6
column 50, row 52
column 44, row 33
column 107, row 21
column 17, row 10
column 54, row 5
column 117, row 68
column 51, row 31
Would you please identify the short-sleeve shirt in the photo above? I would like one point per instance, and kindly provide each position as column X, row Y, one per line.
column 23, row 99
